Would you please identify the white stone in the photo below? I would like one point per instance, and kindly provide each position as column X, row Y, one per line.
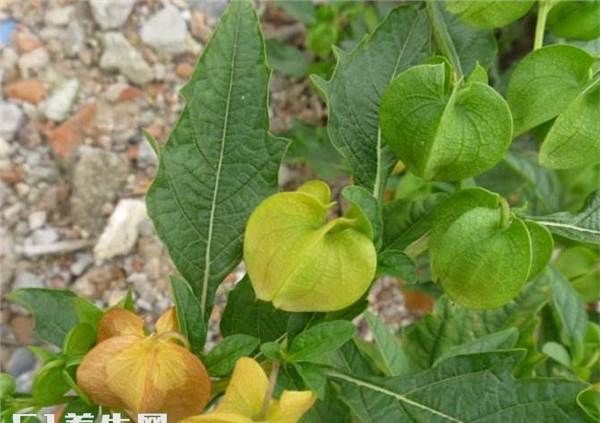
column 11, row 117
column 58, row 105
column 60, row 16
column 37, row 219
column 120, row 55
column 43, row 237
column 35, row 60
column 166, row 31
column 121, row 232
column 110, row 14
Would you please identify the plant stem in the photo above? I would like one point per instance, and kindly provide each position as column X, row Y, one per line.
column 544, row 7
column 504, row 213
column 272, row 381
column 418, row 247
column 442, row 36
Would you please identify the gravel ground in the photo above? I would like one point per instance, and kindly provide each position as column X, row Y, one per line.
column 80, row 79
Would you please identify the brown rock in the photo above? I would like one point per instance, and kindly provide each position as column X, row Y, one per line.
column 156, row 130
column 26, row 41
column 29, row 90
column 65, row 138
column 129, row 93
column 184, row 70
column 12, row 176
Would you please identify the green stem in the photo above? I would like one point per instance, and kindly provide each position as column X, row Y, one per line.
column 442, row 36
column 418, row 247
column 544, row 7
column 505, row 213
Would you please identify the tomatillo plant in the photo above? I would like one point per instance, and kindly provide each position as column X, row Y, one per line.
column 474, row 164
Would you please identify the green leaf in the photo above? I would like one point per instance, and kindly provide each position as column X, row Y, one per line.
column 354, row 92
column 574, row 139
column 471, row 45
column 479, row 74
column 49, row 385
column 349, row 359
column 503, row 340
column 398, row 264
column 220, row 161
column 570, row 314
column 518, row 176
column 366, row 209
column 79, row 340
column 7, row 386
column 442, row 132
column 55, row 312
column 583, row 226
column 557, row 352
column 451, row 325
column 313, row 377
column 320, row 339
column 544, row 83
column 273, row 351
column 189, row 314
column 393, row 357
column 488, row 14
column 542, row 246
column 580, row 265
column 42, row 354
column 301, row 10
column 589, row 401
column 470, row 388
column 406, row 221
column 221, row 360
column 246, row 315
column 286, row 59
column 575, row 19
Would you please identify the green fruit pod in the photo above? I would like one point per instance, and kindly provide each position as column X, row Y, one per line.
column 301, row 261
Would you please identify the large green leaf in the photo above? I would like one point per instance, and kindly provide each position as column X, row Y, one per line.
column 471, row 388
column 502, row 340
column 443, row 131
column 488, row 13
column 575, row 19
column 545, row 82
column 246, row 315
column 451, row 325
column 354, row 92
column 55, row 312
column 574, row 139
column 220, row 161
column 583, row 226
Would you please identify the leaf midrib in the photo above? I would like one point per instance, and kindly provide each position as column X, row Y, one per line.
column 207, row 261
column 388, row 392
